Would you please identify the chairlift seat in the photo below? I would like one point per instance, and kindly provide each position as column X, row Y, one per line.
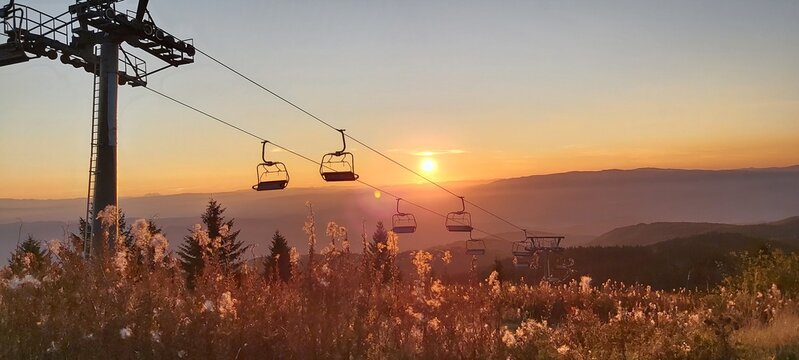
column 338, row 166
column 404, row 229
column 459, row 228
column 475, row 247
column 459, row 221
column 403, row 223
column 271, row 185
column 272, row 175
column 339, row 176
column 521, row 265
column 521, row 248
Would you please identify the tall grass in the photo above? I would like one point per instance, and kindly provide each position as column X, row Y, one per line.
column 135, row 304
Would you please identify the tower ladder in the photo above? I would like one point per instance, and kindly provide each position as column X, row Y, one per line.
column 87, row 230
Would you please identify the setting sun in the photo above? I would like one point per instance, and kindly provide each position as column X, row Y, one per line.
column 428, row 165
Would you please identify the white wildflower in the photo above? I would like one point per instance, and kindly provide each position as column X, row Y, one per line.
column 208, row 306
column 585, row 284
column 446, row 257
column 159, row 243
column 393, row 244
column 421, row 260
column 437, row 287
column 493, row 282
column 54, row 246
column 140, row 231
column 16, row 282
column 125, row 332
column 434, row 323
column 227, row 305
column 121, row 259
column 508, row 338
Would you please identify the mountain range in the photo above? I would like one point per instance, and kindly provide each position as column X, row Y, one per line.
column 586, row 207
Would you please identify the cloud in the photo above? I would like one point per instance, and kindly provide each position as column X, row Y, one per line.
column 438, row 152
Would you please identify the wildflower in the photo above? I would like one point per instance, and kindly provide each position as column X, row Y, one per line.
column 27, row 259
column 563, row 350
column 155, row 335
column 392, row 244
column 774, row 290
column 446, row 257
column 159, row 244
column 294, row 257
column 200, row 235
column 508, row 338
column 208, row 305
column 16, row 282
column 140, row 230
column 125, row 332
column 437, row 287
column 421, row 260
column 585, row 284
column 332, row 232
column 54, row 246
column 227, row 305
column 433, row 303
column 434, row 323
column 493, row 282
column 418, row 316
column 121, row 259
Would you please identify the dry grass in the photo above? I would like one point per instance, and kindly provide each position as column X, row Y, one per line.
column 340, row 307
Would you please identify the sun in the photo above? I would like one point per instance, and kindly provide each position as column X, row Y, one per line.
column 428, row 165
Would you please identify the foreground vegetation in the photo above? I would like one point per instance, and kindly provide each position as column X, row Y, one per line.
column 137, row 303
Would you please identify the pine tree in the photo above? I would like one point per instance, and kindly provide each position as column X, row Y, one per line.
column 85, row 227
column 228, row 255
column 500, row 269
column 278, row 262
column 379, row 253
column 28, row 257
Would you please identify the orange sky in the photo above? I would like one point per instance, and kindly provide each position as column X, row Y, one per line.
column 538, row 88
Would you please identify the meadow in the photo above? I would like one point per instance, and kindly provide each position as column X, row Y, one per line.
column 137, row 303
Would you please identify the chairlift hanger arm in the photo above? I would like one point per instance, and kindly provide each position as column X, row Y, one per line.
column 263, row 152
column 141, row 9
column 343, row 141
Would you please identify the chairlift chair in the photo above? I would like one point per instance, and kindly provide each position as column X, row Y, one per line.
column 522, row 262
column 403, row 223
column 475, row 246
column 522, row 249
column 272, row 175
column 339, row 165
column 459, row 221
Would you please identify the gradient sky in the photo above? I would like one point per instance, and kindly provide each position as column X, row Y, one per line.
column 493, row 89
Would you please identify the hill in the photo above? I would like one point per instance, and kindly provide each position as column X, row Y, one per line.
column 693, row 262
column 786, row 230
column 579, row 205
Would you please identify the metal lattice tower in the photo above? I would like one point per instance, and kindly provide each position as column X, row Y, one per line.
column 75, row 37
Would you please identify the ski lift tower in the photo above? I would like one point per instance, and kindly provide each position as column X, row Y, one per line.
column 89, row 36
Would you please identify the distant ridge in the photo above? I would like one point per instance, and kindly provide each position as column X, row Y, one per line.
column 785, row 231
column 580, row 205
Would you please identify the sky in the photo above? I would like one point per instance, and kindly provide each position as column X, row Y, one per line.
column 460, row 90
